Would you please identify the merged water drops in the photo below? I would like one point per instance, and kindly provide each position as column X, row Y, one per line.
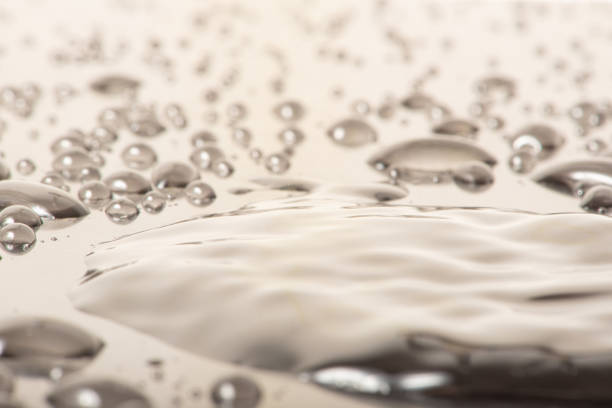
column 456, row 127
column 171, row 178
column 122, row 211
column 95, row 194
column 139, row 156
column 46, row 347
column 352, row 133
column 236, row 392
column 96, row 393
column 20, row 214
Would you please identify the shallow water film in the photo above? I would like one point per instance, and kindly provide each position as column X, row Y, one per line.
column 239, row 204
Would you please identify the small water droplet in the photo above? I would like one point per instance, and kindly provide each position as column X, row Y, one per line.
column 235, row 392
column 121, row 211
column 360, row 107
column 199, row 193
column 142, row 121
column 289, row 111
column 291, row 137
column 597, row 200
column 95, row 194
column 489, row 87
column 171, row 178
column 202, row 139
column 587, row 115
column 473, row 177
column 595, row 146
column 417, row 101
column 154, row 202
column 25, row 167
column 20, row 214
column 93, row 393
column 352, row 133
column 277, row 163
column 138, row 156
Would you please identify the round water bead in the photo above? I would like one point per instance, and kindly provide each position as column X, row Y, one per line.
column 473, row 177
column 236, row 111
column 199, row 193
column 277, row 163
column 154, row 202
column 88, row 174
column 128, row 183
column 20, row 214
column 139, row 156
column 222, row 168
column 95, row 194
column 25, row 167
column 597, row 199
column 171, row 178
column 242, row 137
column 523, row 161
column 203, row 157
column 255, row 154
column 352, row 133
column 291, row 137
column 121, row 211
column 17, row 238
column 289, row 111
column 235, row 392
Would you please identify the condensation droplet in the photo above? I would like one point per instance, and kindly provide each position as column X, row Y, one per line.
column 171, row 178
column 95, row 194
column 277, row 163
column 70, row 163
column 352, row 133
column 199, row 193
column 473, row 177
column 17, row 238
column 139, row 156
column 121, row 211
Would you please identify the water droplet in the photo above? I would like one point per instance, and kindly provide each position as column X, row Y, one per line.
column 236, row 112
column 291, row 137
column 489, row 87
column 154, row 202
column 523, row 161
column 428, row 160
column 71, row 141
column 174, row 113
column 289, row 111
column 199, row 193
column 139, row 156
column 48, row 202
column 595, row 146
column 114, row 85
column 54, row 179
column 277, row 163
column 457, row 127
column 235, row 392
column 128, row 183
column 222, row 168
column 541, row 139
column 360, row 107
column 96, row 394
column 473, row 177
column 598, row 200
column 171, row 178
column 242, row 137
column 386, row 110
column 352, row 133
column 88, row 174
column 95, row 194
column 495, row 122
column 142, row 121
column 111, row 118
column 5, row 171
column 20, row 214
column 437, row 112
column 17, row 238
column 103, row 135
column 417, row 101
column 576, row 177
column 25, row 167
column 70, row 163
column 121, row 211
column 202, row 139
column 587, row 115
column 203, row 157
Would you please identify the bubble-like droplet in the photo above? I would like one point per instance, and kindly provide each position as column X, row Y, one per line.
column 139, row 156
column 222, row 168
column 96, row 393
column 171, row 178
column 48, row 202
column 154, row 202
column 235, row 392
column 352, row 133
column 112, row 118
column 70, row 163
column 5, row 171
column 121, row 211
column 277, row 163
column 17, row 238
column 291, row 137
column 542, row 139
column 199, row 193
column 95, row 194
column 576, row 177
column 289, row 111
column 598, row 200
column 456, row 127
column 25, row 167
column 20, row 214
column 46, row 347
column 523, row 161
column 473, row 177
column 202, row 139
column 361, row 107
column 103, row 135
column 114, row 84
column 128, row 183
column 242, row 137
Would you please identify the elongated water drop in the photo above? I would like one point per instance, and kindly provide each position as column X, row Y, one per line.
column 456, row 127
column 114, row 85
column 352, row 133
column 128, row 183
column 598, row 200
column 96, row 393
column 417, row 101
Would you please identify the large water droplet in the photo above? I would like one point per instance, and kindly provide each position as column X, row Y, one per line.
column 114, row 84
column 352, row 133
column 541, row 139
column 139, row 156
column 171, row 178
column 20, row 214
column 48, row 202
column 121, row 211
column 95, row 194
column 456, row 127
column 473, row 177
column 235, row 392
column 598, row 200
column 128, row 183
column 17, row 239
column 199, row 193
column 46, row 347
column 96, row 394
column 576, row 177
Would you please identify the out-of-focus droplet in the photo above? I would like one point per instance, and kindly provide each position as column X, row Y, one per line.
column 277, row 163
column 473, row 177
column 352, row 133
column 128, row 183
column 139, row 156
column 175, row 115
column 242, row 137
column 203, row 157
column 236, row 112
column 360, row 107
column 93, row 393
column 121, row 211
column 142, row 121
column 202, row 139
column 543, row 140
column 522, row 161
column 25, row 167
column 114, row 85
column 70, row 163
column 236, row 392
column 417, row 101
column 576, row 177
column 289, row 111
column 17, row 238
column 490, row 87
column 456, row 127
column 291, row 137
column 222, row 168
